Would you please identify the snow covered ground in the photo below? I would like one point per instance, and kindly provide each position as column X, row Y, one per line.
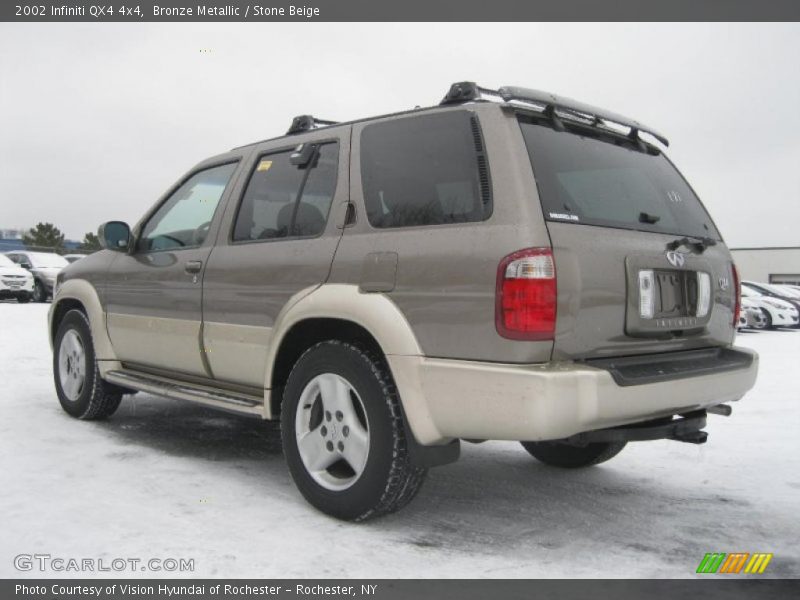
column 167, row 479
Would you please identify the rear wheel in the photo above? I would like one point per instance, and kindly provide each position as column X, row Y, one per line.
column 572, row 457
column 81, row 391
column 344, row 436
column 39, row 293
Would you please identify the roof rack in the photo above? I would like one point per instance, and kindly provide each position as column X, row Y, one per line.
column 306, row 123
column 557, row 108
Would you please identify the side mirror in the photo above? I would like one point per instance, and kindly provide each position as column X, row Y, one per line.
column 115, row 235
column 26, row 265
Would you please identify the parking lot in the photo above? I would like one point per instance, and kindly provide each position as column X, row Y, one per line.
column 163, row 479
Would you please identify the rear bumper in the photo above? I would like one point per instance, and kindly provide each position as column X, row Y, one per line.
column 14, row 293
column 10, row 291
column 446, row 399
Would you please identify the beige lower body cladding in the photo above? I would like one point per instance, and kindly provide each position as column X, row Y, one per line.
column 446, row 399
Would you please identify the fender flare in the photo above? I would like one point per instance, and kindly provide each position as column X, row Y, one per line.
column 382, row 318
column 84, row 292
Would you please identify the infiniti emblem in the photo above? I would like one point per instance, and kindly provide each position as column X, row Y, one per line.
column 676, row 259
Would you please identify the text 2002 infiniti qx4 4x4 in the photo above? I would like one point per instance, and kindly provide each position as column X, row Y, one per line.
column 508, row 265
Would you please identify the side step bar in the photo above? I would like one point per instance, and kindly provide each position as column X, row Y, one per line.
column 180, row 390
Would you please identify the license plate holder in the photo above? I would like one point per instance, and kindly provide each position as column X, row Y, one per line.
column 674, row 296
column 676, row 293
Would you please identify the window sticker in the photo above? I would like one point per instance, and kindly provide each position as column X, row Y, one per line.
column 554, row 215
column 264, row 165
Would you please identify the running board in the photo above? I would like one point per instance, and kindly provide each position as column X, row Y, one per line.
column 180, row 390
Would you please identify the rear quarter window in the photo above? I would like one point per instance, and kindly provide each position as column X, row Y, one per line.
column 608, row 182
column 425, row 170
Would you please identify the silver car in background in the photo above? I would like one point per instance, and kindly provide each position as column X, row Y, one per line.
column 44, row 266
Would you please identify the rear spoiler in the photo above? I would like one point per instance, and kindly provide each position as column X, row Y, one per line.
column 554, row 107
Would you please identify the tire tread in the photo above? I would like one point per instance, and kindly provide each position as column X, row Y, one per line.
column 572, row 457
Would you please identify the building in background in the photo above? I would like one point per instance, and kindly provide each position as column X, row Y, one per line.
column 768, row 265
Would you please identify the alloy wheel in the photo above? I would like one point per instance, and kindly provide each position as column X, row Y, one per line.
column 332, row 431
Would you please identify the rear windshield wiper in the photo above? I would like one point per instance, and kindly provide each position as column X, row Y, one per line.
column 695, row 243
column 648, row 218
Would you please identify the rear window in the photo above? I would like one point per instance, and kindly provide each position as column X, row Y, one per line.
column 425, row 170
column 607, row 182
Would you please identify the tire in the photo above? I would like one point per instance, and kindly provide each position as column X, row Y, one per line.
column 334, row 375
column 81, row 391
column 566, row 456
column 768, row 317
column 24, row 299
column 39, row 293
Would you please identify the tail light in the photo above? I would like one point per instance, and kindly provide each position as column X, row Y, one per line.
column 703, row 294
column 525, row 304
column 647, row 302
column 737, row 293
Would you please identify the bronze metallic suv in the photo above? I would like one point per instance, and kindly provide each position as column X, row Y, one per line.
column 507, row 265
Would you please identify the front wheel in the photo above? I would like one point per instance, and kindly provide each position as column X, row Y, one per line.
column 24, row 298
column 344, row 437
column 557, row 454
column 81, row 391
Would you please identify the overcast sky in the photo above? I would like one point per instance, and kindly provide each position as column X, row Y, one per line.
column 97, row 120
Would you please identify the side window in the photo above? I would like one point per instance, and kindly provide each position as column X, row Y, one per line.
column 425, row 170
column 183, row 220
column 283, row 200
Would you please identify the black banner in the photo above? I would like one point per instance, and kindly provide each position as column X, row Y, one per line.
column 382, row 589
column 142, row 11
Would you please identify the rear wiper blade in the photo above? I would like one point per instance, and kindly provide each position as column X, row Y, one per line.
column 648, row 218
column 695, row 243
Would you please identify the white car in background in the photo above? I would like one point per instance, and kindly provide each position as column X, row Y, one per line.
column 751, row 316
column 790, row 290
column 15, row 282
column 777, row 312
column 44, row 266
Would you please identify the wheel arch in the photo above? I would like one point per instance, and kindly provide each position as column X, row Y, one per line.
column 303, row 335
column 333, row 310
column 337, row 309
column 82, row 295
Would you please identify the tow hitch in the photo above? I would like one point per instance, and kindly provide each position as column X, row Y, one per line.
column 681, row 428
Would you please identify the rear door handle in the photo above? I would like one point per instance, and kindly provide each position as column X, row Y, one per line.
column 193, row 266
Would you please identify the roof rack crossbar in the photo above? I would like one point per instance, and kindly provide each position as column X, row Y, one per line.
column 304, row 123
column 547, row 103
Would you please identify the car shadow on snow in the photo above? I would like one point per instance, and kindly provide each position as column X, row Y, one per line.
column 493, row 503
column 189, row 430
column 493, row 500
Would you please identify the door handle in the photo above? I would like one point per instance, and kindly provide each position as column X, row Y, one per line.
column 193, row 266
